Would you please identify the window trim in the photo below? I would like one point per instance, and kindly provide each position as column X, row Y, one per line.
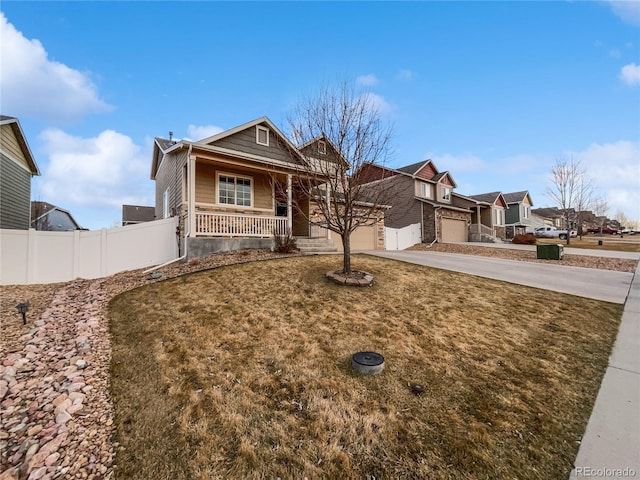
column 260, row 128
column 445, row 193
column 235, row 177
column 322, row 147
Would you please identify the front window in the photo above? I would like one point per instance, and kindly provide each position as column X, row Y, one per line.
column 425, row 190
column 527, row 211
column 446, row 194
column 498, row 216
column 234, row 190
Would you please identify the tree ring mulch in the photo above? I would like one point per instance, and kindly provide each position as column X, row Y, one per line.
column 354, row 279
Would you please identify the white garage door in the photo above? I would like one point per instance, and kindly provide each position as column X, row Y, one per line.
column 454, row 230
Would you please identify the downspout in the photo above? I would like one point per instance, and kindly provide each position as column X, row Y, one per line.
column 435, row 221
column 188, row 229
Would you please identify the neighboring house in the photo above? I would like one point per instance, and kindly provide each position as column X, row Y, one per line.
column 17, row 166
column 419, row 193
column 551, row 217
column 133, row 214
column 235, row 189
column 518, row 215
column 487, row 215
column 47, row 217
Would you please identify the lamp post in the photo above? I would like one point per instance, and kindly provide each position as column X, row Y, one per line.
column 22, row 308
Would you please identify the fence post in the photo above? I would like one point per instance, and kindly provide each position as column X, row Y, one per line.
column 31, row 256
column 76, row 254
column 103, row 253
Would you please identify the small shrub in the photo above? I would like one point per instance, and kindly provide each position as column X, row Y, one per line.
column 524, row 239
column 194, row 261
column 284, row 243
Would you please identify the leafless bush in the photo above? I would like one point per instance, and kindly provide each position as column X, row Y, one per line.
column 284, row 242
column 524, row 239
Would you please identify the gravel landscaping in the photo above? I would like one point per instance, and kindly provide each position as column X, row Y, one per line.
column 55, row 408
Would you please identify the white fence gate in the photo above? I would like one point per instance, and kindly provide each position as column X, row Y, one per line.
column 30, row 256
column 401, row 238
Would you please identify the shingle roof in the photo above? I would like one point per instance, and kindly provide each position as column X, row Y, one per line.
column 137, row 213
column 515, row 196
column 486, row 197
column 413, row 168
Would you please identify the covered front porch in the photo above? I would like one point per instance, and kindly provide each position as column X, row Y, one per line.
column 242, row 200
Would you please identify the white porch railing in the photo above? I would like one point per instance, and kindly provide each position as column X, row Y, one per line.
column 481, row 229
column 229, row 225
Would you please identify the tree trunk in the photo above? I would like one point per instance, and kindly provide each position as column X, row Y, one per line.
column 346, row 253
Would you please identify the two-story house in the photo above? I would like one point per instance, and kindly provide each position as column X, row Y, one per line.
column 18, row 166
column 419, row 193
column 518, row 216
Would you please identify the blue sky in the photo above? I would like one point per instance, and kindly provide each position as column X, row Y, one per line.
column 493, row 92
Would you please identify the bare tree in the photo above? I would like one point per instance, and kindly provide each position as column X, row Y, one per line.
column 571, row 190
column 339, row 130
column 600, row 207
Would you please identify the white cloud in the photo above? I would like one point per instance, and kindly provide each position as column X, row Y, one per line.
column 627, row 10
column 367, row 80
column 458, row 163
column 33, row 85
column 200, row 132
column 615, row 170
column 630, row 74
column 101, row 173
column 405, row 75
column 380, row 104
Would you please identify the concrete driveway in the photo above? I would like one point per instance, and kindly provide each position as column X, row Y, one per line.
column 604, row 285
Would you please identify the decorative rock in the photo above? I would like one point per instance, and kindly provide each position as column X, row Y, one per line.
column 34, row 430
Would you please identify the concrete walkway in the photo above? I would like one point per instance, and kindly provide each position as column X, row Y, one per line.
column 610, row 447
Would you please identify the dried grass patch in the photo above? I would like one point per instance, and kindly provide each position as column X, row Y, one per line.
column 244, row 372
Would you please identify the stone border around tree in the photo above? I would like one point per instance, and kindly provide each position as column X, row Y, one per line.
column 356, row 279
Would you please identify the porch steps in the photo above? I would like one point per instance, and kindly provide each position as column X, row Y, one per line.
column 315, row 245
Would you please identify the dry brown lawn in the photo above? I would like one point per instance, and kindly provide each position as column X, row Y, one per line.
column 244, row 372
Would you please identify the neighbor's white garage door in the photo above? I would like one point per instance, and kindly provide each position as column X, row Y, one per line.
column 454, row 230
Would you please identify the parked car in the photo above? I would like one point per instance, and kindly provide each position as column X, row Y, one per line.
column 553, row 232
column 627, row 231
column 603, row 230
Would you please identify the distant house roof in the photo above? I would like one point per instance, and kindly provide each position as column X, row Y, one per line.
column 547, row 212
column 45, row 216
column 516, row 197
column 132, row 214
column 414, row 167
column 493, row 198
column 22, row 141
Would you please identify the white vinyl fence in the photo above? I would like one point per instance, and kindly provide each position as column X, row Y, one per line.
column 401, row 238
column 30, row 256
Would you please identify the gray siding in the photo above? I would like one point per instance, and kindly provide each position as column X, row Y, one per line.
column 170, row 176
column 512, row 214
column 15, row 195
column 245, row 141
column 400, row 194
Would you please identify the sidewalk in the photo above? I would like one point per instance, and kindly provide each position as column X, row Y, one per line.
column 567, row 250
column 610, row 447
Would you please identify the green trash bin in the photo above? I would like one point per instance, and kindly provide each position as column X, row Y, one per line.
column 550, row 252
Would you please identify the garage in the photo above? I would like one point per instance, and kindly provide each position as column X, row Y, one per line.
column 454, row 230
column 363, row 238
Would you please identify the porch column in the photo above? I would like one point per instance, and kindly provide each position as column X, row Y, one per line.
column 479, row 221
column 289, row 204
column 191, row 200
